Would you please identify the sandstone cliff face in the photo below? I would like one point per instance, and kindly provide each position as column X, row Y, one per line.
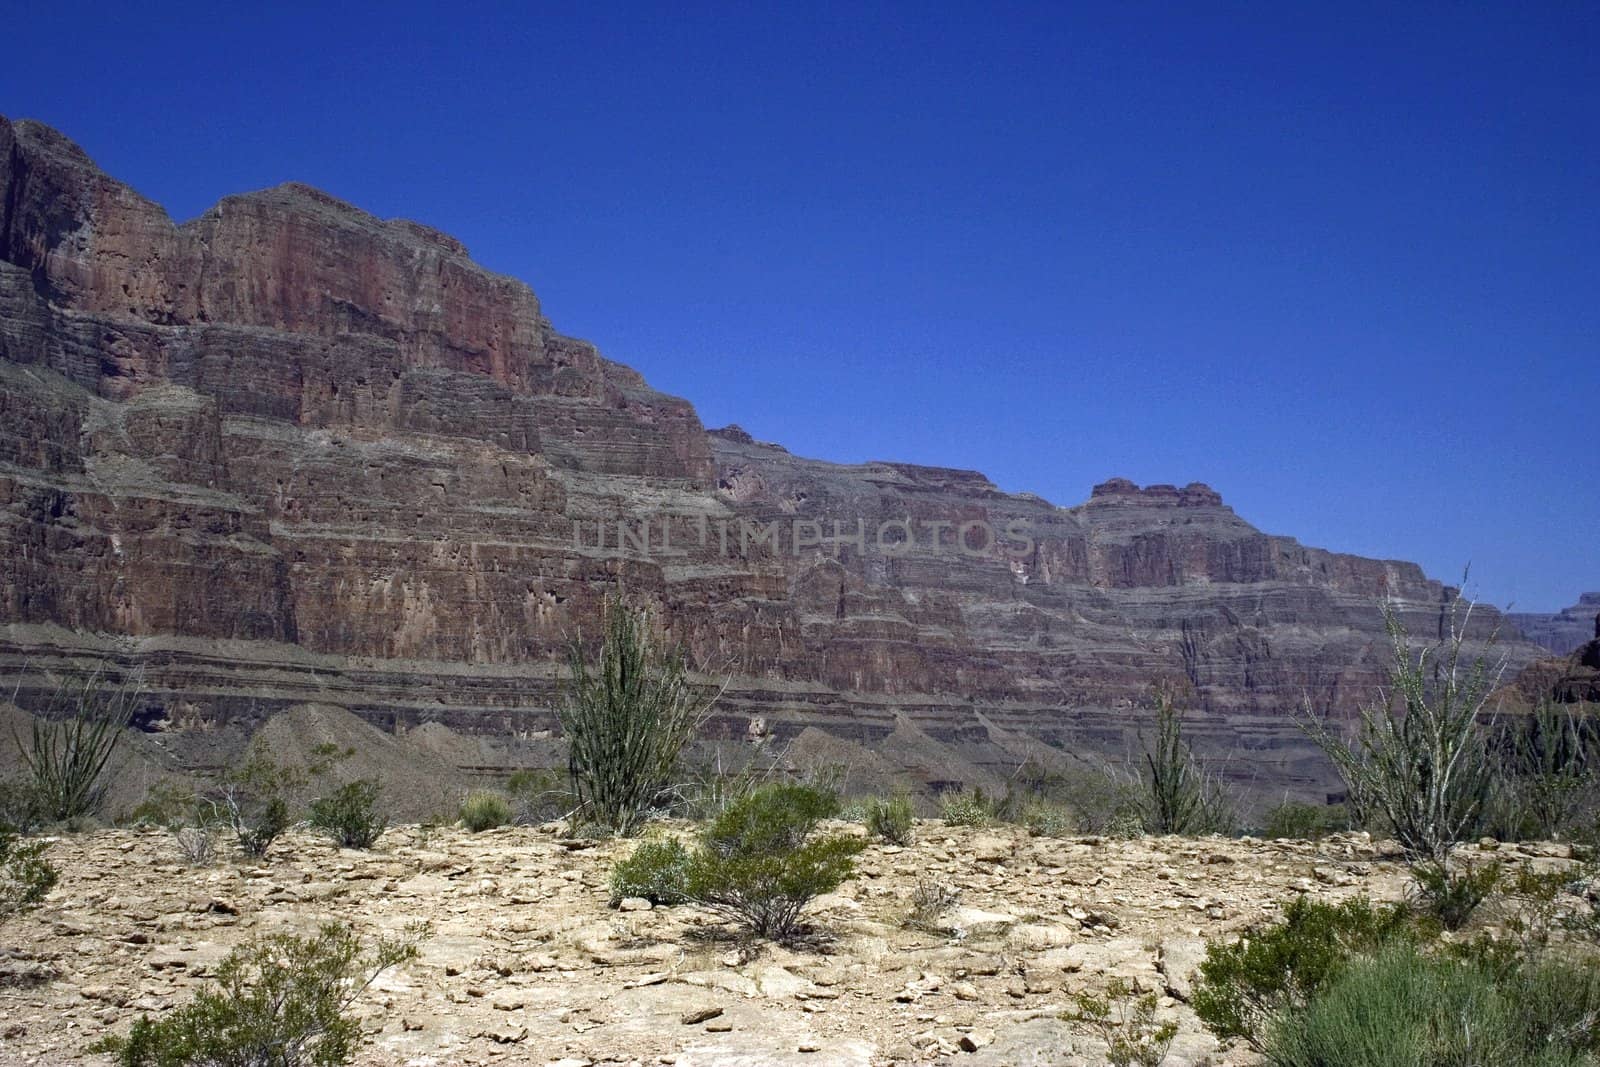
column 289, row 453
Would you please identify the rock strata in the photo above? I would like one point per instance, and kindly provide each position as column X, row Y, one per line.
column 292, row 454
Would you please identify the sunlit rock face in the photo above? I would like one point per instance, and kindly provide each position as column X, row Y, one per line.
column 299, row 453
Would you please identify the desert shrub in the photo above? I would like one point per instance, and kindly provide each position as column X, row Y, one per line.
column 349, row 814
column 254, row 801
column 1097, row 800
column 25, row 875
column 167, row 803
column 972, row 808
column 854, row 811
column 279, row 1001
column 73, row 740
column 1547, row 772
column 626, row 719
column 196, row 845
column 1407, row 1008
column 931, row 901
column 891, row 820
column 708, row 785
column 1126, row 1022
column 485, row 811
column 539, row 796
column 188, row 819
column 1452, row 893
column 1044, row 819
column 1300, row 821
column 19, row 807
column 1178, row 795
column 760, row 863
column 655, row 870
column 1541, row 904
column 1419, row 759
column 1244, row 984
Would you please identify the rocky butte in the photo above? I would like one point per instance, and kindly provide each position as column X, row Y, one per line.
column 289, row 454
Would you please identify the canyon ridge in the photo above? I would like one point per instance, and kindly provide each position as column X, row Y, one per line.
column 290, row 456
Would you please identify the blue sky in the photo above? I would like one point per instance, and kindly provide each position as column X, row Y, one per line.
column 1342, row 262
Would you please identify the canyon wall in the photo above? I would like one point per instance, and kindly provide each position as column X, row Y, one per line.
column 290, row 453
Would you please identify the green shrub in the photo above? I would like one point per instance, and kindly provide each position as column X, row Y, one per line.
column 485, row 811
column 168, row 803
column 968, row 809
column 279, row 1001
column 1405, row 1008
column 626, row 720
column 253, row 801
column 1126, row 1022
column 855, row 811
column 1452, row 894
column 1299, row 821
column 655, row 870
column 1098, row 801
column 891, row 820
column 1548, row 772
column 349, row 814
column 1245, row 983
column 25, row 875
column 19, row 807
column 758, row 861
column 73, row 740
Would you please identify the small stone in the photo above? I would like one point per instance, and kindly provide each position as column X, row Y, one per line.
column 975, row 1039
column 634, row 904
column 506, row 1035
column 700, row 1015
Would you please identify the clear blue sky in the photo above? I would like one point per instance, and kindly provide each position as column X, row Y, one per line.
column 1342, row 263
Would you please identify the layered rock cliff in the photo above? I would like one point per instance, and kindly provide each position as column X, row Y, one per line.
column 1562, row 632
column 289, row 452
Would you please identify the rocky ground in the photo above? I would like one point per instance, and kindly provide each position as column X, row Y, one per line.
column 529, row 964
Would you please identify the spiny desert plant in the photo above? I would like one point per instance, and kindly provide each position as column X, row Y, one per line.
column 891, row 819
column 25, row 875
column 1244, row 984
column 73, row 740
column 1419, row 758
column 484, row 811
column 1126, row 1022
column 656, row 871
column 278, row 1001
column 760, row 863
column 1179, row 795
column 626, row 718
column 349, row 814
